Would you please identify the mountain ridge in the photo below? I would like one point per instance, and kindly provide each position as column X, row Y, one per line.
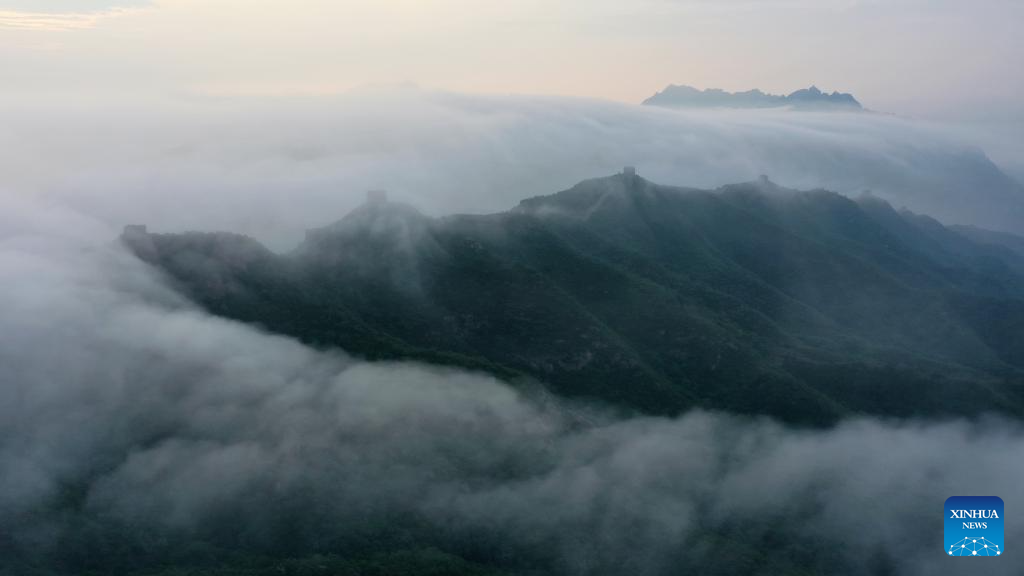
column 803, row 305
column 683, row 96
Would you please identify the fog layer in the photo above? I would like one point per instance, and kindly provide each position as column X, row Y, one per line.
column 129, row 418
column 274, row 167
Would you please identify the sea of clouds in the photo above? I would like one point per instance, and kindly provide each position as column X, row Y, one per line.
column 130, row 420
column 273, row 167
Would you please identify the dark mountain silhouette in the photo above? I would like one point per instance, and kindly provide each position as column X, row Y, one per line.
column 805, row 305
column 681, row 96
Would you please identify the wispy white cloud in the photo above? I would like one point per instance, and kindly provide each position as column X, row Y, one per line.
column 47, row 21
column 68, row 6
column 61, row 15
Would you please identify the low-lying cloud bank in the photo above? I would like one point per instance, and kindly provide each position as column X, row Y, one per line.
column 133, row 426
column 273, row 167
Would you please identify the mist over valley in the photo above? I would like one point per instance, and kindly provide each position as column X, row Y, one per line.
column 540, row 288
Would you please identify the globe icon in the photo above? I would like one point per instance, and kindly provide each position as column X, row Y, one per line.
column 974, row 547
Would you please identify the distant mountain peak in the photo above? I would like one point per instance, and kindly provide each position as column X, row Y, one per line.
column 682, row 96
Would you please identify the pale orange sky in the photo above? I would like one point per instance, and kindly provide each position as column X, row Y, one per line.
column 906, row 56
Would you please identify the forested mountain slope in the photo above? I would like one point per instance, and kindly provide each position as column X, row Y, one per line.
column 807, row 306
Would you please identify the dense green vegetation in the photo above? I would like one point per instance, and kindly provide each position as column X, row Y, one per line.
column 807, row 306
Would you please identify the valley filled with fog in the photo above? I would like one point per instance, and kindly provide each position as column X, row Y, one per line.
column 532, row 288
column 139, row 430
